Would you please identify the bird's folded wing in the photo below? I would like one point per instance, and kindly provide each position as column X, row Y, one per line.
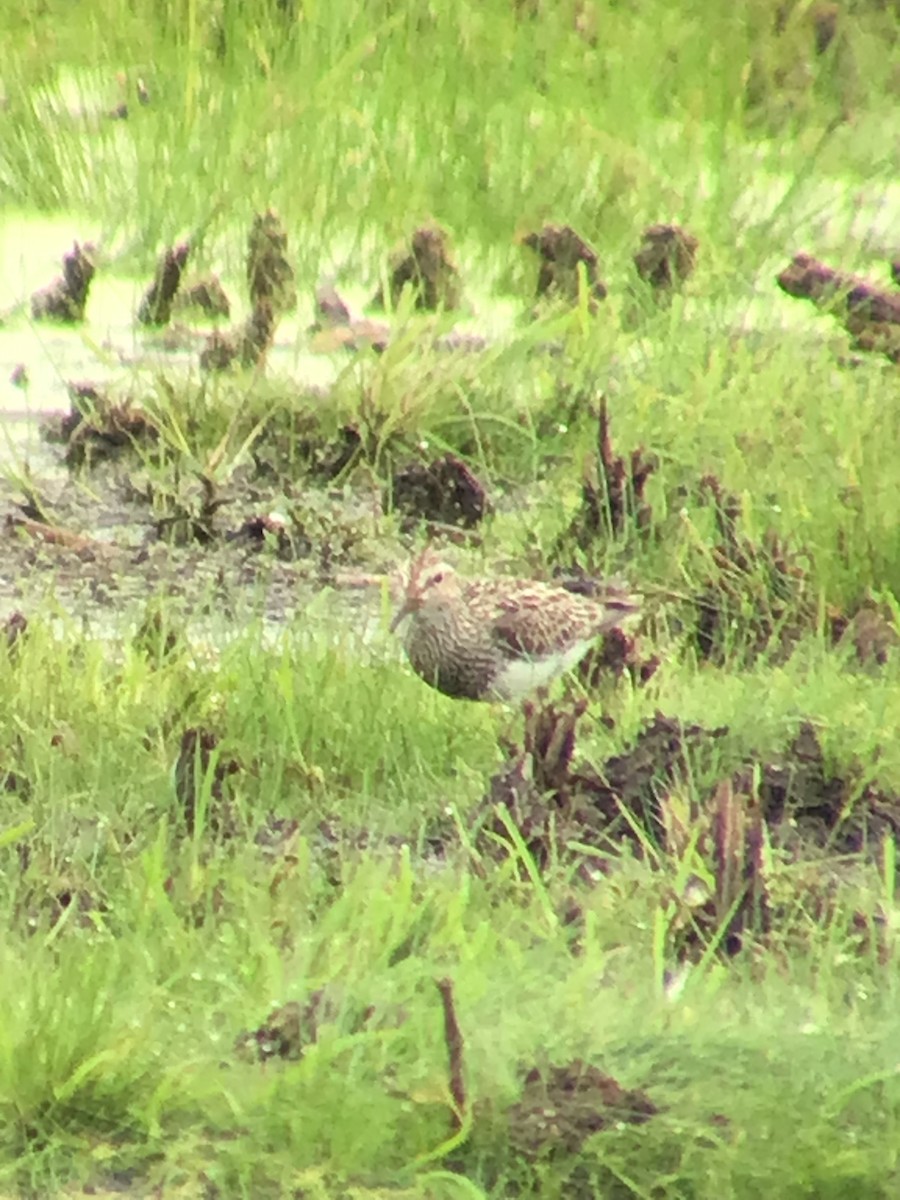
column 522, row 631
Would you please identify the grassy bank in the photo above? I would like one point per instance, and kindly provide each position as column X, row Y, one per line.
column 137, row 952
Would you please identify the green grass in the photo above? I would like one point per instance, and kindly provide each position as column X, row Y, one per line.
column 136, row 951
column 122, row 1008
column 359, row 120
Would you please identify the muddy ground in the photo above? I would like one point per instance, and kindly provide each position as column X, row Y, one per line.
column 114, row 556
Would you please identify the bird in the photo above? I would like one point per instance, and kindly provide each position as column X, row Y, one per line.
column 499, row 638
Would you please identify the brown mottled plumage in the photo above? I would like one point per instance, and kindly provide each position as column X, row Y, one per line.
column 501, row 638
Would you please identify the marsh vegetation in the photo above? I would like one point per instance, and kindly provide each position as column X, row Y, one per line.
column 277, row 918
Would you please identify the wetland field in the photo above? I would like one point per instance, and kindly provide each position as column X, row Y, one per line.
column 569, row 290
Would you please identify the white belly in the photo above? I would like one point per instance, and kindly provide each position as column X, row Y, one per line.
column 525, row 675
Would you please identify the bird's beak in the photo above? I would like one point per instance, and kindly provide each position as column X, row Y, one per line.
column 402, row 613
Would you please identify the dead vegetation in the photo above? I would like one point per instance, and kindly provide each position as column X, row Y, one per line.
column 43, row 533
column 156, row 306
column 65, row 299
column 613, row 497
column 757, row 597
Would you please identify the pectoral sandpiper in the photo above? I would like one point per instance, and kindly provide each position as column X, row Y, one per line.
column 500, row 638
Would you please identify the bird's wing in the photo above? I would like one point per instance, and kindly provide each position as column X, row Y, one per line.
column 539, row 621
column 525, row 627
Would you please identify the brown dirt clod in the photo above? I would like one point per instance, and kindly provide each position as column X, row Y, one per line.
column 446, row 491
column 248, row 344
column 283, row 1034
column 357, row 336
column 14, row 783
column 666, row 257
column 270, row 277
column 15, row 627
column 290, row 1029
column 617, row 654
column 561, row 252
column 66, row 298
column 100, row 426
column 331, row 310
column 156, row 305
column 273, row 292
column 562, row 1106
column 793, row 802
column 336, row 328
column 276, row 836
column 53, row 889
column 825, row 18
column 328, row 460
column 553, row 803
column 870, row 314
column 427, row 266
column 804, row 801
column 206, row 294
column 265, row 529
column 870, row 630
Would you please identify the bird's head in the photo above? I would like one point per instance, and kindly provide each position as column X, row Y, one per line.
column 430, row 579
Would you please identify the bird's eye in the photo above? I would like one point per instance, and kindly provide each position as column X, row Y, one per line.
column 439, row 578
